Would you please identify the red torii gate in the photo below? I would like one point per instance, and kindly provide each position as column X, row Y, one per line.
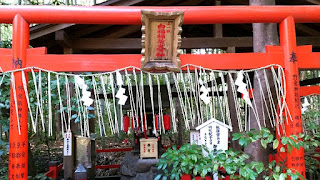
column 286, row 16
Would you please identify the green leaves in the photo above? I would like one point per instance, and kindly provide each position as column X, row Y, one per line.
column 186, row 160
column 189, row 159
column 264, row 143
column 236, row 136
column 275, row 144
column 244, row 142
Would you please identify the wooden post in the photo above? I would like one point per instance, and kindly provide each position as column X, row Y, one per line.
column 295, row 159
column 18, row 152
column 68, row 161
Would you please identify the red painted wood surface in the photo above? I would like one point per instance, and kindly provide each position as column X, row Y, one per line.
column 111, row 62
column 295, row 159
column 54, row 171
column 102, row 63
column 132, row 14
column 18, row 150
column 309, row 90
column 114, row 150
column 107, row 166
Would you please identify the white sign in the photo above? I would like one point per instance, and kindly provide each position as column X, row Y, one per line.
column 67, row 144
column 195, row 137
column 214, row 135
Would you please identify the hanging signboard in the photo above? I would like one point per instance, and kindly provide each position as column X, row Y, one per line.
column 214, row 135
column 161, row 40
column 67, row 144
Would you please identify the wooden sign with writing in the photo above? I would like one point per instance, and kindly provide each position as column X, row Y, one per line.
column 161, row 40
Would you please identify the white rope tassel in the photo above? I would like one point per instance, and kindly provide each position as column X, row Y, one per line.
column 98, row 108
column 143, row 101
column 193, row 90
column 80, row 107
column 107, row 106
column 197, row 95
column 187, row 100
column 15, row 100
column 39, row 106
column 132, row 101
column 225, row 97
column 181, row 102
column 139, row 101
column 160, row 106
column 152, row 104
column 218, row 95
column 41, row 102
column 254, row 107
column 236, row 103
column 206, row 79
column 271, row 101
column 25, row 87
column 192, row 113
column 49, row 105
column 68, row 102
column 194, row 109
column 114, row 104
column 172, row 108
column 62, row 116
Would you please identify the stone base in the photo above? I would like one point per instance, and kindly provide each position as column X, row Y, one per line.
column 134, row 168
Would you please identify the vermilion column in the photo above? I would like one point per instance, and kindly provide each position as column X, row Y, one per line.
column 18, row 152
column 295, row 160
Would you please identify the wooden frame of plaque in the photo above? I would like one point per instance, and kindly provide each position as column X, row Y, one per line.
column 161, row 40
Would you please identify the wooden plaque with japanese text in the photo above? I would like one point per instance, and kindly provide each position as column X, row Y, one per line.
column 161, row 40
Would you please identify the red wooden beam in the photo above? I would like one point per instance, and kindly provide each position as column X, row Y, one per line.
column 132, row 15
column 309, row 60
column 309, row 90
column 98, row 63
column 107, row 166
column 114, row 150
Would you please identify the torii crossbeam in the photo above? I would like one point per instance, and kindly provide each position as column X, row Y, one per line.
column 21, row 56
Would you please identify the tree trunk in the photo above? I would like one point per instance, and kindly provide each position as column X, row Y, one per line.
column 263, row 34
column 32, row 171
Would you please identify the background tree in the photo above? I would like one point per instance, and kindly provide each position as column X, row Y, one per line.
column 263, row 34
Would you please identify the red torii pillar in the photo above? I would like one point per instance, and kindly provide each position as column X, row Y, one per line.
column 288, row 42
column 18, row 151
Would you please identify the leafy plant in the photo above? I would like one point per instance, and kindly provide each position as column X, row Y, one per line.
column 234, row 163
column 188, row 159
column 277, row 170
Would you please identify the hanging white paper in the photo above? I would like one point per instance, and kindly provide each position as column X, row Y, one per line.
column 242, row 88
column 305, row 105
column 121, row 95
column 204, row 96
column 87, row 101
